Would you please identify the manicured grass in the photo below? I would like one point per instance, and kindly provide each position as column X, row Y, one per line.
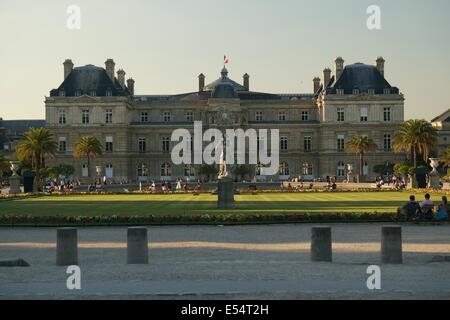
column 188, row 204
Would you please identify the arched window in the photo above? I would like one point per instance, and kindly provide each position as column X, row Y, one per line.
column 284, row 169
column 365, row 169
column 142, row 170
column 341, row 169
column 258, row 169
column 109, row 171
column 307, row 169
column 166, row 170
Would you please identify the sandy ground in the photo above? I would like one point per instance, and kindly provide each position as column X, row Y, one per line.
column 240, row 262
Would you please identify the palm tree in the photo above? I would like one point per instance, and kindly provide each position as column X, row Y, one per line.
column 4, row 165
column 36, row 145
column 415, row 136
column 361, row 145
column 89, row 147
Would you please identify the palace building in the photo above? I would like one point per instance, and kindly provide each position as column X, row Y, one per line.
column 136, row 129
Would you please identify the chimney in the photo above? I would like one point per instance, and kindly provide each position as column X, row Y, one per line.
column 316, row 82
column 246, row 82
column 68, row 67
column 338, row 67
column 380, row 65
column 130, row 85
column 201, row 82
column 326, row 77
column 109, row 66
column 121, row 77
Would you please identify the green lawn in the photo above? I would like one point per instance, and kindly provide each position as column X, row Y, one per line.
column 183, row 204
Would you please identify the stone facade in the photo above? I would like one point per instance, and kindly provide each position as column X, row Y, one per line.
column 136, row 129
column 442, row 124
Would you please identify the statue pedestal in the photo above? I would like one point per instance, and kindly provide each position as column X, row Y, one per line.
column 350, row 178
column 14, row 183
column 412, row 182
column 434, row 181
column 225, row 192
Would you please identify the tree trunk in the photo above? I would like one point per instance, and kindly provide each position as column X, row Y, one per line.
column 415, row 156
column 361, row 163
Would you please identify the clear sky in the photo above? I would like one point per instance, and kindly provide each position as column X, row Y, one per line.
column 165, row 44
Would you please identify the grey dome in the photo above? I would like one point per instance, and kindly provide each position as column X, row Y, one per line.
column 224, row 80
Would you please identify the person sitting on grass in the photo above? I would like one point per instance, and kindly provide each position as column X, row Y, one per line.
column 426, row 208
column 410, row 210
column 443, row 209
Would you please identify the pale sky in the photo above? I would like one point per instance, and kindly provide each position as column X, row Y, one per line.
column 281, row 44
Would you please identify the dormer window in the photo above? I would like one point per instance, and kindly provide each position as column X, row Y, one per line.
column 371, row 91
column 77, row 93
column 93, row 93
column 355, row 91
column 62, row 93
column 108, row 92
column 340, row 92
column 387, row 91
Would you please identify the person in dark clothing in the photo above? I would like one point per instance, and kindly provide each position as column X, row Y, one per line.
column 410, row 211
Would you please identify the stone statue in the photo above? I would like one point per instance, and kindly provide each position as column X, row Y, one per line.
column 223, row 170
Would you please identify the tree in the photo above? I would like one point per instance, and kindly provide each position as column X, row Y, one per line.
column 415, row 136
column 4, row 165
column 361, row 145
column 445, row 156
column 36, row 145
column 89, row 147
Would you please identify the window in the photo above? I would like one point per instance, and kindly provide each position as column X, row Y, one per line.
column 341, row 143
column 258, row 169
column 387, row 114
column 355, row 91
column 387, row 142
column 85, row 117
column 259, row 116
column 260, row 144
column 307, row 143
column 190, row 116
column 340, row 92
column 142, row 170
column 62, row 116
column 109, row 171
column 365, row 169
column 142, row 144
column 167, row 116
column 371, row 91
column 108, row 92
column 165, row 144
column 166, row 170
column 62, row 145
column 364, row 115
column 283, row 143
column 305, row 115
column 144, row 116
column 62, row 93
column 109, row 144
column 387, row 91
column 108, row 116
column 189, row 170
column 284, row 169
column 77, row 93
column 93, row 93
column 340, row 115
column 84, row 170
column 307, row 169
column 340, row 169
column 282, row 116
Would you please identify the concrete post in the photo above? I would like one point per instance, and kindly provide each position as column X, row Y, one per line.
column 321, row 247
column 137, row 246
column 391, row 245
column 66, row 247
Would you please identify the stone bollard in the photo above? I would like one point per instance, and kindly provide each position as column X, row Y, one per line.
column 321, row 247
column 137, row 246
column 66, row 247
column 391, row 245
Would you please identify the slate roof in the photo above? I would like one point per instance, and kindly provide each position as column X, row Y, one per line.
column 88, row 78
column 224, row 80
column 363, row 77
column 444, row 117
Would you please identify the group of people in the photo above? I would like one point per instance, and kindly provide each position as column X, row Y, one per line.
column 167, row 187
column 397, row 182
column 425, row 210
column 63, row 185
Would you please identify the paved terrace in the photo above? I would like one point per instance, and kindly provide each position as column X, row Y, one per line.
column 267, row 262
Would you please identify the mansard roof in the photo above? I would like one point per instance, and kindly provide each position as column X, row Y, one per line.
column 87, row 79
column 363, row 77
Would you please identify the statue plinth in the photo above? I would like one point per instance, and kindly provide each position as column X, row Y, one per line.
column 225, row 193
column 14, row 180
